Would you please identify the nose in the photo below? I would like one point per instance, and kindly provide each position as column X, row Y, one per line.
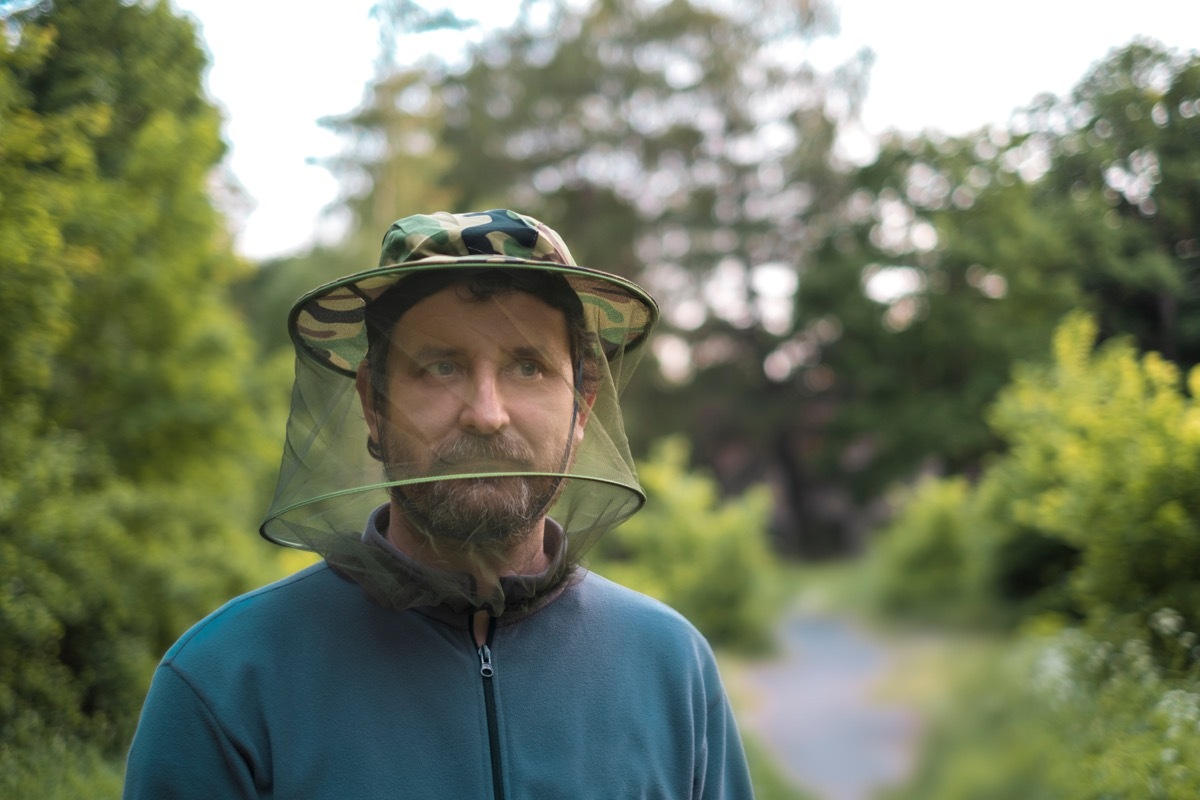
column 484, row 411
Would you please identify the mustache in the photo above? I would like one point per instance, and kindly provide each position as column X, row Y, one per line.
column 474, row 450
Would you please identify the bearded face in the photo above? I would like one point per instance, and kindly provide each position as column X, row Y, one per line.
column 478, row 417
column 478, row 512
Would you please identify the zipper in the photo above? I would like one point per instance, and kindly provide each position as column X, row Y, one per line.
column 486, row 670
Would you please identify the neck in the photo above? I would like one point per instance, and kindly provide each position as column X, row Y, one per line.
column 525, row 556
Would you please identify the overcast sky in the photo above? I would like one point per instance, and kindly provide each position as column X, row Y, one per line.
column 952, row 65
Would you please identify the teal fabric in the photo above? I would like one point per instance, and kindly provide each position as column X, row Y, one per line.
column 307, row 689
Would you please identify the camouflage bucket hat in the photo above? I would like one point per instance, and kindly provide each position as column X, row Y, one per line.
column 328, row 324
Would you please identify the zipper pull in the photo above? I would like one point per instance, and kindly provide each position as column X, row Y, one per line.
column 485, row 662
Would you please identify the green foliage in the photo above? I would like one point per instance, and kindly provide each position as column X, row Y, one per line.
column 920, row 565
column 1067, row 717
column 705, row 556
column 1105, row 456
column 988, row 276
column 134, row 440
column 1085, row 201
column 60, row 769
column 1092, row 513
column 1125, row 160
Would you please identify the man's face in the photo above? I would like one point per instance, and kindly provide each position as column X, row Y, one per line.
column 476, row 386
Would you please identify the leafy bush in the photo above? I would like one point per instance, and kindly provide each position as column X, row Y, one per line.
column 133, row 437
column 1091, row 516
column 919, row 567
column 1105, row 458
column 60, row 769
column 1066, row 717
column 706, row 557
column 1092, row 513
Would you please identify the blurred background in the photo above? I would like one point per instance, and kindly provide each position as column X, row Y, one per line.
column 919, row 429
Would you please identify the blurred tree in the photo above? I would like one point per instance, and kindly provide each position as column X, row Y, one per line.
column 945, row 270
column 955, row 258
column 133, row 449
column 688, row 146
column 1124, row 162
column 391, row 169
column 828, row 329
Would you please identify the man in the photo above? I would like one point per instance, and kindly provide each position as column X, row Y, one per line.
column 453, row 649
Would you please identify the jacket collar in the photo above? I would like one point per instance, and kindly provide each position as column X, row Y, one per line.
column 396, row 581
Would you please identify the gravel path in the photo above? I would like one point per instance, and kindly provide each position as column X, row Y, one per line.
column 814, row 709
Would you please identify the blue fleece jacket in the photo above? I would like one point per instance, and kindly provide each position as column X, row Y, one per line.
column 308, row 689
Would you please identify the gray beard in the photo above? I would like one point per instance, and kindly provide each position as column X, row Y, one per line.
column 492, row 515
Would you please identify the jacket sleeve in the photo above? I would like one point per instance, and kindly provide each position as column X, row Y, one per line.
column 726, row 773
column 181, row 750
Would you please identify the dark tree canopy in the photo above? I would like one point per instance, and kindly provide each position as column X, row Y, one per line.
column 829, row 329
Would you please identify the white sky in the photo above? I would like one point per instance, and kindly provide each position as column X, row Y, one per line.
column 952, row 65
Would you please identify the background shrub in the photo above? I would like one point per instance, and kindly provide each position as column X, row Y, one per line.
column 1104, row 459
column 920, row 563
column 1063, row 717
column 705, row 556
column 137, row 429
column 1092, row 514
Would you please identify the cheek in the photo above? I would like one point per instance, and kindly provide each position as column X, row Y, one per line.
column 550, row 421
column 422, row 419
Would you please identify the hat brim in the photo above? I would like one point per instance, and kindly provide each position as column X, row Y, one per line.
column 327, row 325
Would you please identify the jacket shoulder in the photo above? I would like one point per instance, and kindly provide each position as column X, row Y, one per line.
column 634, row 610
column 252, row 619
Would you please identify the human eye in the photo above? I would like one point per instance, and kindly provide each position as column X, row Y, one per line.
column 440, row 369
column 528, row 368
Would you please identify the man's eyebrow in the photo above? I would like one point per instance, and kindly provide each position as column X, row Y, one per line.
column 432, row 352
column 530, row 351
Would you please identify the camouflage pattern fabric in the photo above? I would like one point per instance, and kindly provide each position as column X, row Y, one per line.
column 328, row 326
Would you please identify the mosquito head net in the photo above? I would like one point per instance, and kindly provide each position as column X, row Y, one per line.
column 455, row 437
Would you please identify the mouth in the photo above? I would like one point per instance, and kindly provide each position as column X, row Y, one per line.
column 466, row 455
column 482, row 465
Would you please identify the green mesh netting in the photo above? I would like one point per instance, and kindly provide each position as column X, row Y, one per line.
column 490, row 402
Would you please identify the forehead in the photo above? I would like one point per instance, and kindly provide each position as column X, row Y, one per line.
column 505, row 320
